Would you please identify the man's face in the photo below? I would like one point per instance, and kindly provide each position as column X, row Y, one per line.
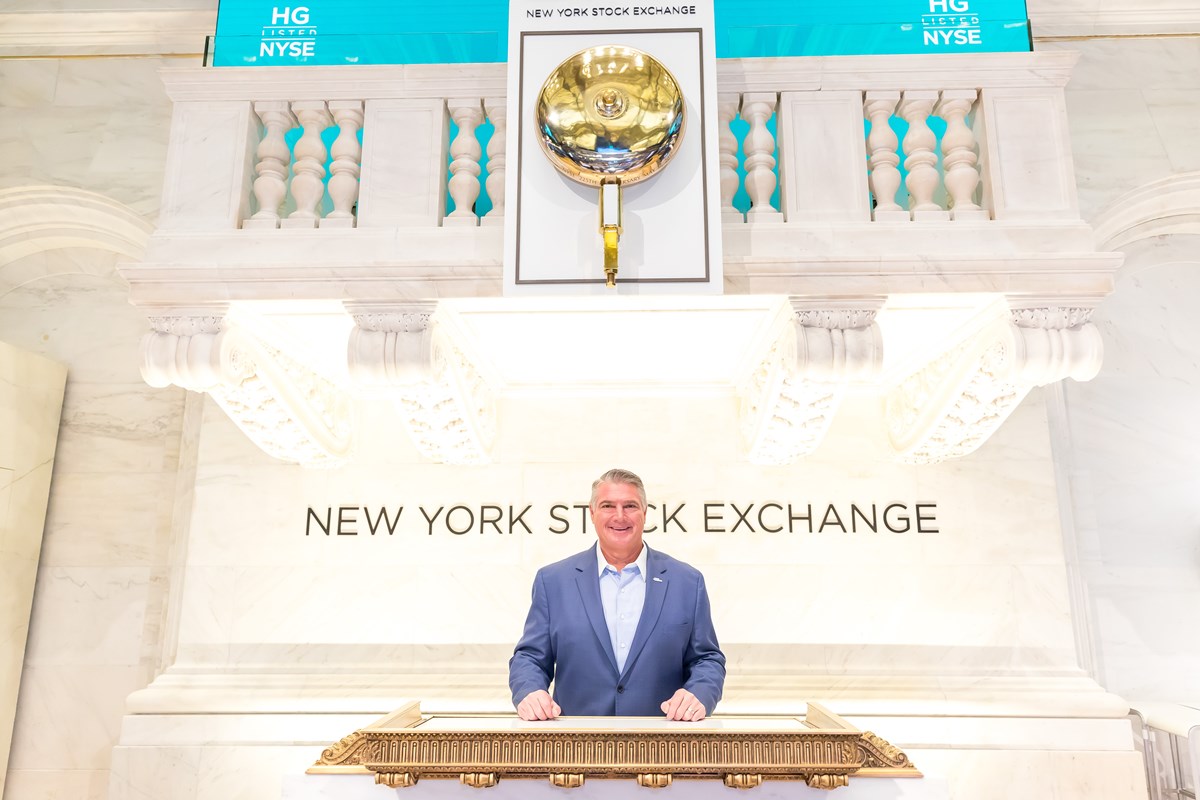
column 619, row 517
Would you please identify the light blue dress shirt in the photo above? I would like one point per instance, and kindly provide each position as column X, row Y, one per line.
column 622, row 595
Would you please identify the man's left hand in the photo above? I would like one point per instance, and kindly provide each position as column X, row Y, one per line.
column 684, row 706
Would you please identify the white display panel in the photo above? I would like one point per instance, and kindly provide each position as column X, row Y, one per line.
column 672, row 239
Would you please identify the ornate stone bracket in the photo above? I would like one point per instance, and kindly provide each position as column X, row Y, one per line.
column 790, row 398
column 290, row 412
column 952, row 405
column 444, row 403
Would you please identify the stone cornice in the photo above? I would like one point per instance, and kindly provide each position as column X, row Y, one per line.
column 392, row 82
column 1117, row 22
column 896, row 72
column 106, row 33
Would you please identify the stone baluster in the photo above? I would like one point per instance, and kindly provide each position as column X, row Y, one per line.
column 464, row 166
column 878, row 107
column 308, row 173
column 920, row 158
column 347, row 163
column 497, row 111
column 274, row 159
column 759, row 147
column 959, row 160
column 727, row 109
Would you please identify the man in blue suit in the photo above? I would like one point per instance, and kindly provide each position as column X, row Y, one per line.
column 619, row 629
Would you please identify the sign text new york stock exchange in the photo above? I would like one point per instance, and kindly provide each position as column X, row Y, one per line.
column 562, row 519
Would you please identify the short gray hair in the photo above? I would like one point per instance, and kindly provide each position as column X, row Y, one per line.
column 618, row 476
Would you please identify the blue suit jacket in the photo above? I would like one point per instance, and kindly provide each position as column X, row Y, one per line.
column 566, row 641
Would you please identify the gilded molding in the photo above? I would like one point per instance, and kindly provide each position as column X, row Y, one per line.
column 878, row 753
column 824, row 757
column 351, row 751
column 342, row 749
column 479, row 780
column 743, row 780
column 396, row 780
column 827, row 781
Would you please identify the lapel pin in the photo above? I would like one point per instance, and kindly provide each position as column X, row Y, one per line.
column 659, row 580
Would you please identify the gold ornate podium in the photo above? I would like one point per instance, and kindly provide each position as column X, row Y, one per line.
column 821, row 749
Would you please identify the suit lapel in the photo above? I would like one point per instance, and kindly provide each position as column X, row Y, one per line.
column 588, row 581
column 656, row 593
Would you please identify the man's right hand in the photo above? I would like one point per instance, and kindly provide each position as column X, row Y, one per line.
column 538, row 705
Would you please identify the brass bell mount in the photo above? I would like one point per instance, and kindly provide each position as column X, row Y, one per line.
column 610, row 116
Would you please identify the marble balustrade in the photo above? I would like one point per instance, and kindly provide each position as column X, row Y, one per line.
column 850, row 140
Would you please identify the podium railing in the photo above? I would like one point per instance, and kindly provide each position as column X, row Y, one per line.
column 1170, row 739
column 822, row 750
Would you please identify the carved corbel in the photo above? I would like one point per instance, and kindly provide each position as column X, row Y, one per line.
column 954, row 403
column 390, row 348
column 743, row 780
column 827, row 781
column 792, row 394
column 286, row 409
column 444, row 403
column 396, row 780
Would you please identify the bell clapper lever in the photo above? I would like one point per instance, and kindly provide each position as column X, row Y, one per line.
column 610, row 226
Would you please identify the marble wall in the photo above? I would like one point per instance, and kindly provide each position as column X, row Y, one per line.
column 955, row 643
column 1135, row 472
column 101, row 582
column 1133, row 106
column 981, row 590
column 1132, row 452
column 31, row 392
column 99, row 124
column 92, row 123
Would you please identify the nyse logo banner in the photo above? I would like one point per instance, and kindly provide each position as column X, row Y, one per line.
column 327, row 32
column 272, row 33
column 951, row 23
column 290, row 34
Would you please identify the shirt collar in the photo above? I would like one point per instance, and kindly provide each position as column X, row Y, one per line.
column 640, row 561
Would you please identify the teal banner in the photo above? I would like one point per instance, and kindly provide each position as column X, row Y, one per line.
column 328, row 32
